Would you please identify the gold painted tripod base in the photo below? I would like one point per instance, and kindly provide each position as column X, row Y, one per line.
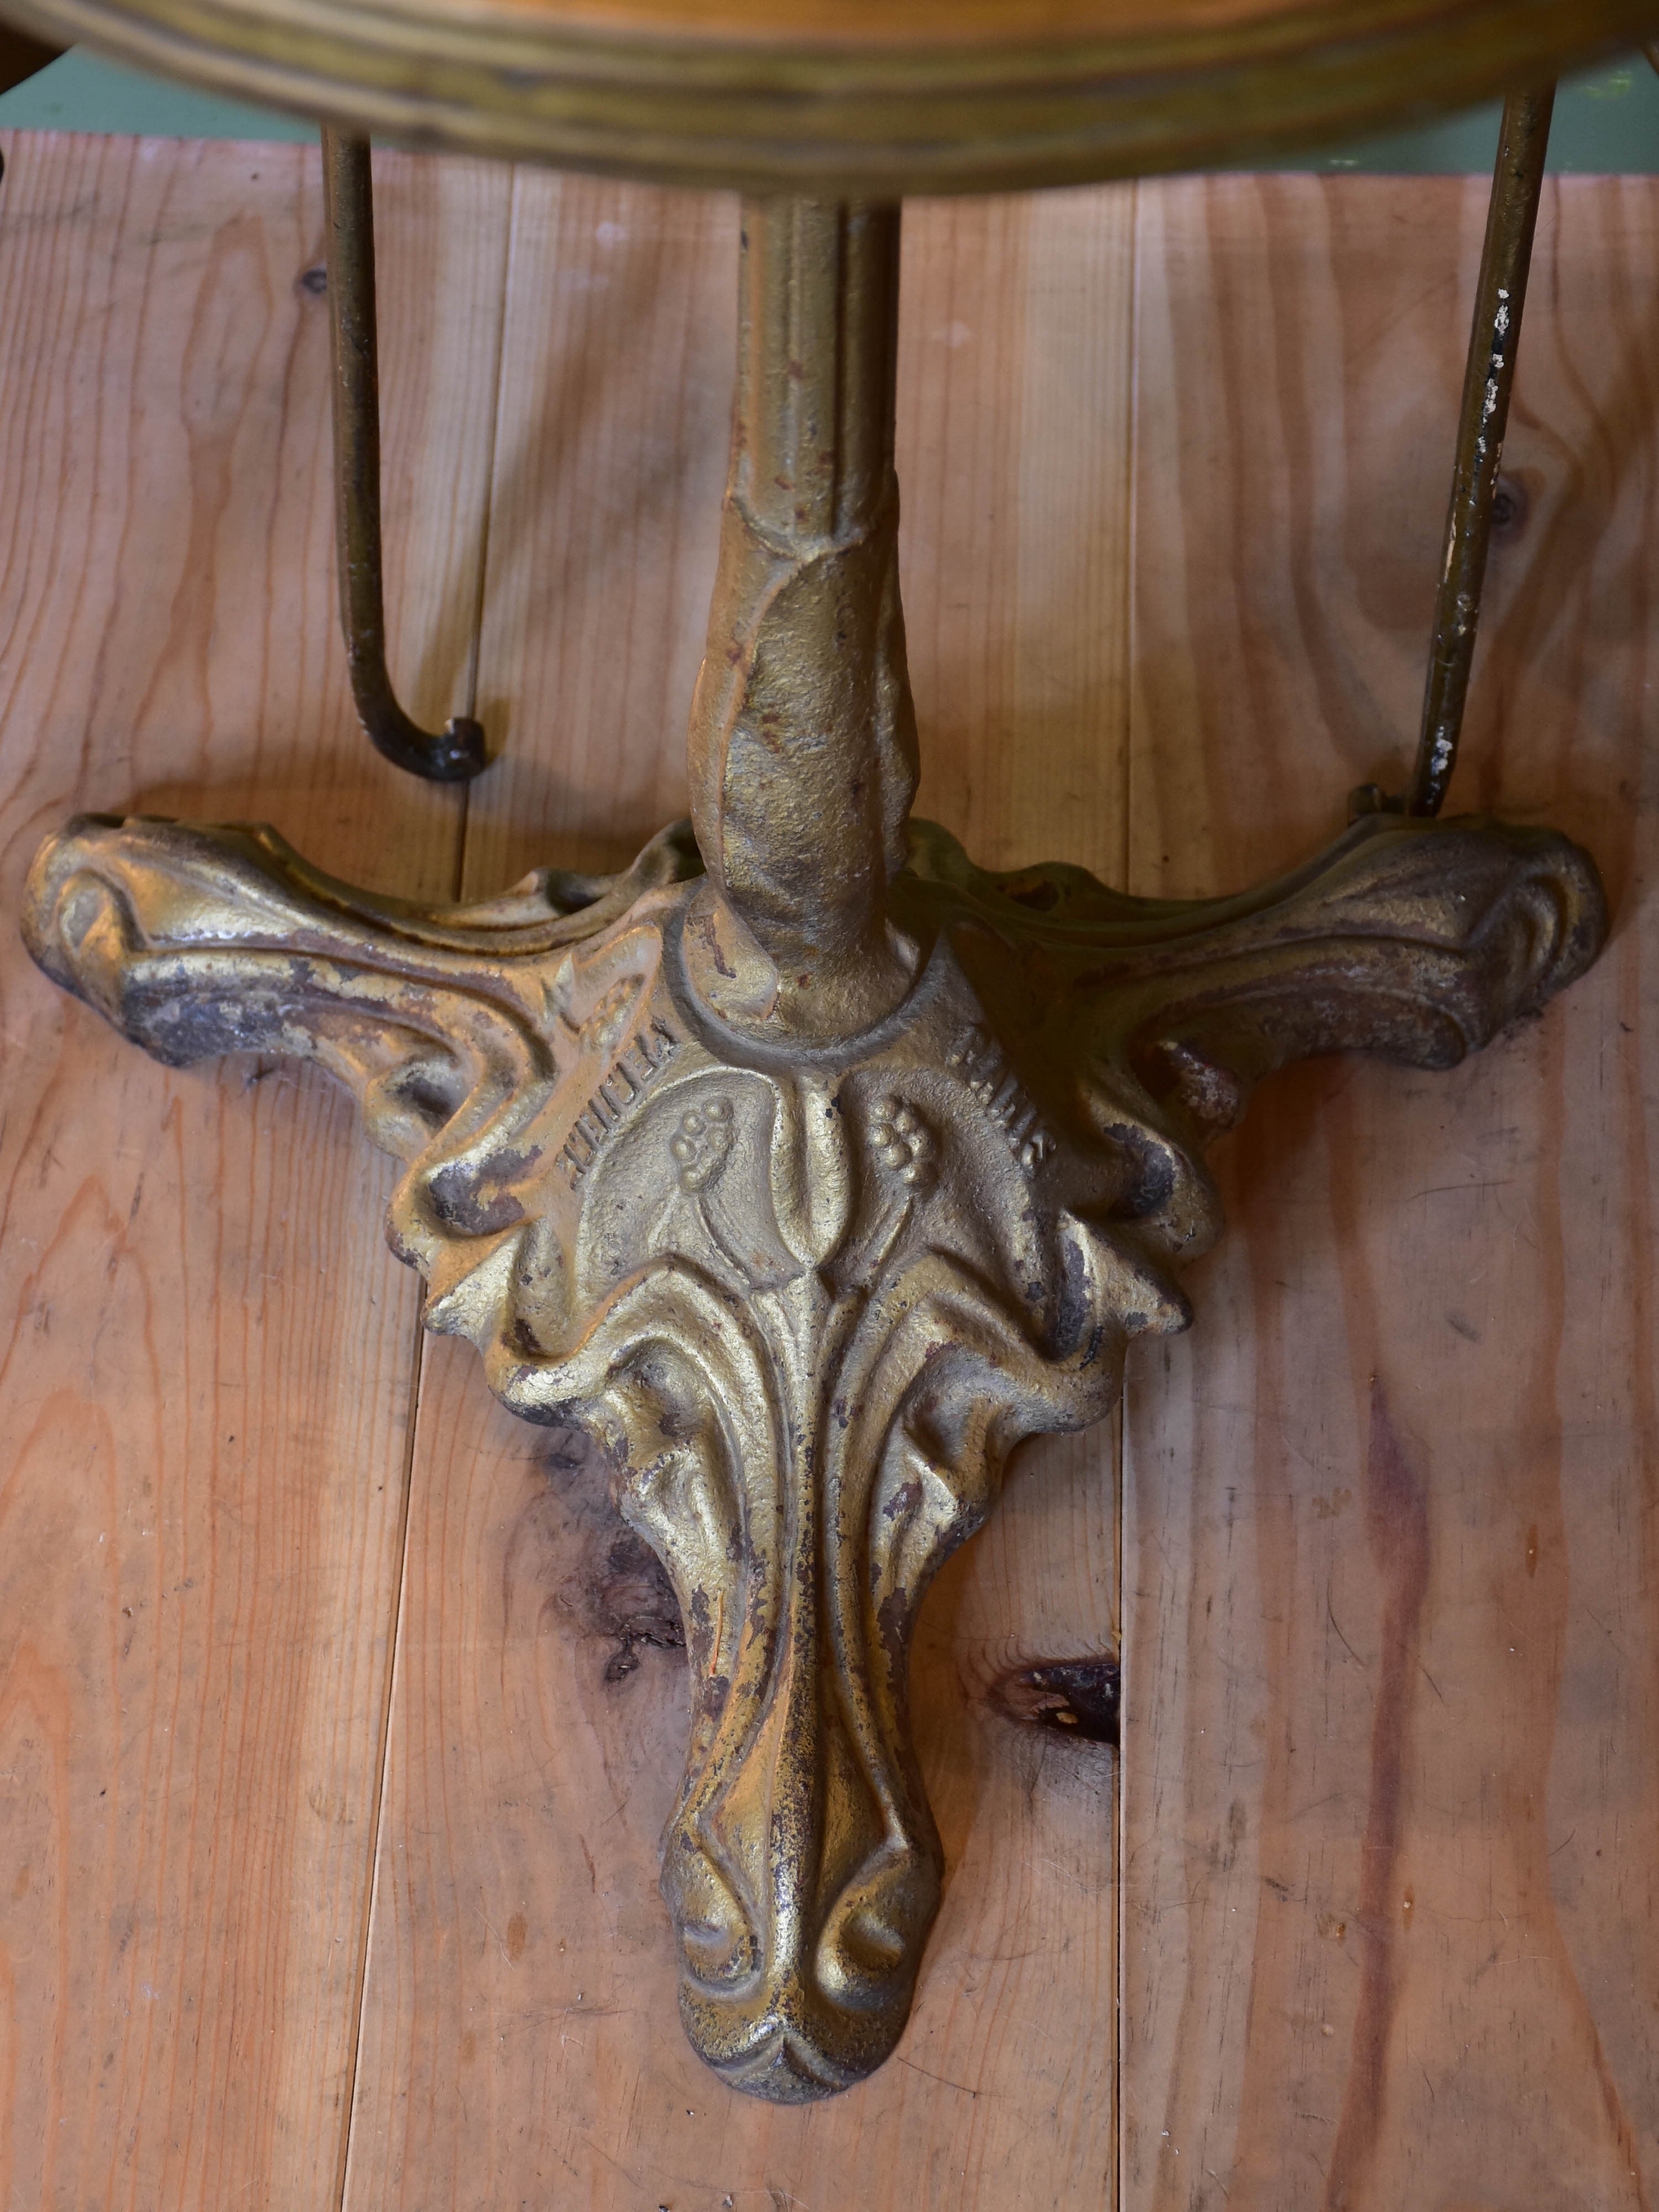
column 810, row 1297
column 809, row 1166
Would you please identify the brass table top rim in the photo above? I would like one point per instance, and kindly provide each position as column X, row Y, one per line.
column 1092, row 67
column 489, row 78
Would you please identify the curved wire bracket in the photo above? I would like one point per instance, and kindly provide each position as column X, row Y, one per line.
column 457, row 753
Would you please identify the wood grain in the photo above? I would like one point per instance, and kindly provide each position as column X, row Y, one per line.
column 206, row 1353
column 522, row 2035
column 614, row 425
column 1391, row 1792
column 1174, row 462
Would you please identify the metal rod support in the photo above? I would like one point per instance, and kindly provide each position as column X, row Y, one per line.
column 349, row 207
column 1494, row 341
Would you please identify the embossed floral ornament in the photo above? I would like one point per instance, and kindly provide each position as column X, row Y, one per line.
column 814, row 1182
column 810, row 1297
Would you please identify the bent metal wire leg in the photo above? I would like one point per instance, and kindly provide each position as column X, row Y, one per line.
column 1505, row 259
column 457, row 752
column 809, row 1164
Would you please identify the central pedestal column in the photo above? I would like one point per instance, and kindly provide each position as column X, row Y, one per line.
column 803, row 742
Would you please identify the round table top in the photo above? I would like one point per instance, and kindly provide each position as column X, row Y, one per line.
column 859, row 98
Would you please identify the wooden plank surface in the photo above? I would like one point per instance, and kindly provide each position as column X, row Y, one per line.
column 521, row 2035
column 1390, row 1861
column 614, row 426
column 1391, row 1777
column 206, row 1352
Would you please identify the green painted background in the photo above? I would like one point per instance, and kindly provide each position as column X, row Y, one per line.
column 1605, row 121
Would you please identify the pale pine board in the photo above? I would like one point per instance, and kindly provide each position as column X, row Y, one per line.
column 1297, row 360
column 613, row 431
column 1391, row 1749
column 206, row 1352
column 521, row 2039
